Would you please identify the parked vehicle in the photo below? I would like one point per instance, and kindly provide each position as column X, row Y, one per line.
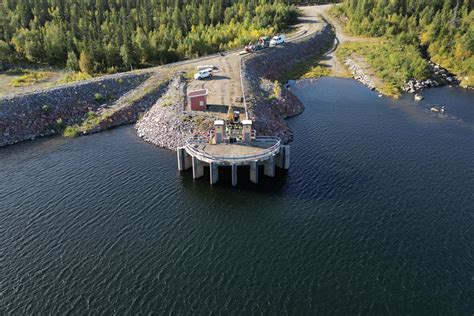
column 236, row 116
column 277, row 40
column 203, row 74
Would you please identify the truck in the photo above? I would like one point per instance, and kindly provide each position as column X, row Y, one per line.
column 263, row 42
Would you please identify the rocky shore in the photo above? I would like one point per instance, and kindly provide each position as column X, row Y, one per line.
column 439, row 77
column 358, row 73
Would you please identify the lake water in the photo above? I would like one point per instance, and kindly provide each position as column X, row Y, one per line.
column 375, row 215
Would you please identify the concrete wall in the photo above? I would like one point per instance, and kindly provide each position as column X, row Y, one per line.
column 35, row 114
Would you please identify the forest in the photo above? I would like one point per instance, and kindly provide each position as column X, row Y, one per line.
column 106, row 36
column 442, row 30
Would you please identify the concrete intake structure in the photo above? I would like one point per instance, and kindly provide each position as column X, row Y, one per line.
column 261, row 151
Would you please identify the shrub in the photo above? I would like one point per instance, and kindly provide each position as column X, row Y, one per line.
column 71, row 131
column 60, row 126
column 45, row 108
column 30, row 78
column 91, row 115
column 76, row 76
column 99, row 97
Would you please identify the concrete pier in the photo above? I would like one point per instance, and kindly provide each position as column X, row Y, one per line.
column 198, row 168
column 282, row 160
column 263, row 150
column 254, row 171
column 214, row 172
column 184, row 160
column 269, row 167
column 234, row 175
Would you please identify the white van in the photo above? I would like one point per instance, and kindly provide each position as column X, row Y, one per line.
column 202, row 74
column 277, row 40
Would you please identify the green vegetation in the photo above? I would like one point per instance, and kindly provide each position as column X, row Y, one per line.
column 71, row 131
column 99, row 97
column 60, row 126
column 30, row 78
column 75, row 76
column 276, row 90
column 392, row 63
column 113, row 35
column 442, row 28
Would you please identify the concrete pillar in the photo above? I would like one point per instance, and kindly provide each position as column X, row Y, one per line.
column 269, row 167
column 283, row 158
column 188, row 161
column 214, row 172
column 198, row 168
column 234, row 175
column 184, row 160
column 254, row 171
column 286, row 165
column 180, row 156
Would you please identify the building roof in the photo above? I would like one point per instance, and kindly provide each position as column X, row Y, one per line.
column 246, row 122
column 219, row 122
column 197, row 93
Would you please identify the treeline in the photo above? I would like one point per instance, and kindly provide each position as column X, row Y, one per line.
column 97, row 36
column 442, row 28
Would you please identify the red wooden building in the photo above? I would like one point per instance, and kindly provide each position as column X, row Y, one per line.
column 198, row 100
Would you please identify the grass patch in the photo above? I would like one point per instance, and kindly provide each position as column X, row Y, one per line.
column 311, row 67
column 76, row 76
column 30, row 78
column 392, row 63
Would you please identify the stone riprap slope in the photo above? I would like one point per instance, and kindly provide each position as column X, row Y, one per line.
column 167, row 124
column 41, row 113
column 269, row 111
column 128, row 108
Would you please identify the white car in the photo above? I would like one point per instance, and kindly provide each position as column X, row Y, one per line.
column 277, row 40
column 202, row 74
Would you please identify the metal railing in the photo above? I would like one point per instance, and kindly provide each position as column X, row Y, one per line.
column 191, row 148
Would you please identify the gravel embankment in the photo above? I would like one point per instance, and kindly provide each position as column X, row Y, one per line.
column 36, row 114
column 167, row 124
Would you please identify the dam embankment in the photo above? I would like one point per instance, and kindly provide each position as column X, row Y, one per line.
column 45, row 112
column 269, row 105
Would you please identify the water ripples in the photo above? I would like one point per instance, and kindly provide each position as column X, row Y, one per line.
column 374, row 216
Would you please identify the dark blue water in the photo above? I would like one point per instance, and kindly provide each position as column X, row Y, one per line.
column 375, row 216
